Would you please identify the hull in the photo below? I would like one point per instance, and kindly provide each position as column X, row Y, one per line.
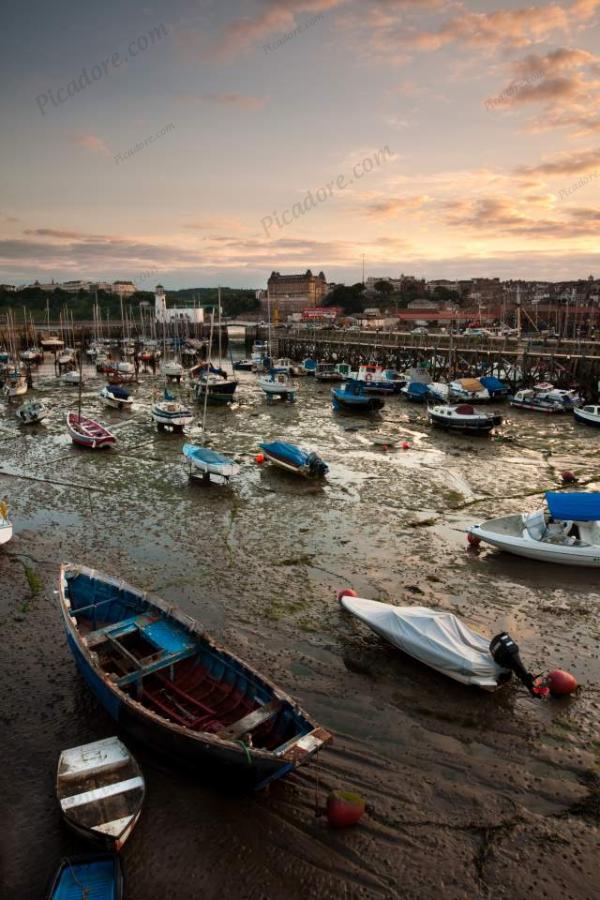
column 219, row 750
column 96, row 876
column 586, row 418
column 357, row 404
column 539, row 550
column 6, row 531
column 482, row 425
column 217, row 393
column 171, row 415
column 534, row 406
column 89, row 433
column 32, row 414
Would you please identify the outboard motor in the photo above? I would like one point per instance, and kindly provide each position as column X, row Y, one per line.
column 316, row 466
column 506, row 653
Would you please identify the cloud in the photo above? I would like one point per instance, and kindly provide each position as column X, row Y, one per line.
column 93, row 143
column 564, row 164
column 391, row 207
column 240, row 101
column 505, row 216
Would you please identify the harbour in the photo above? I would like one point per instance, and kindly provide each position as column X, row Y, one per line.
column 450, row 774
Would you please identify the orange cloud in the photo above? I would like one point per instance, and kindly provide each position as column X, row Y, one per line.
column 240, row 101
column 93, row 143
column 565, row 164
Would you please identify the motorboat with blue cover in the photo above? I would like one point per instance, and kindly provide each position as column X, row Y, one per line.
column 116, row 396
column 205, row 462
column 353, row 397
column 567, row 533
column 497, row 389
column 166, row 682
column 94, row 876
column 294, row 459
column 418, row 392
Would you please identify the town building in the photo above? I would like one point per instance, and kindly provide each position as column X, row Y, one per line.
column 124, row 288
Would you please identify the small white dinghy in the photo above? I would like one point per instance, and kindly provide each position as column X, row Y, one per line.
column 434, row 637
column 6, row 529
column 31, row 413
column 569, row 533
column 101, row 790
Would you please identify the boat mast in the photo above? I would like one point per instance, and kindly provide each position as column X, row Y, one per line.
column 208, row 363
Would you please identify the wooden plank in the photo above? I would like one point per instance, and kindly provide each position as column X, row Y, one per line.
column 161, row 663
column 251, row 720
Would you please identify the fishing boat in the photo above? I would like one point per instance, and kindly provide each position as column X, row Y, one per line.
column 587, row 415
column 244, row 365
column 170, row 685
column 277, row 386
column 171, row 413
column 463, row 418
column 32, row 412
column 100, row 789
column 471, row 390
column 352, row 397
column 442, row 641
column 6, row 528
column 205, row 462
column 116, row 397
column 286, row 366
column 567, row 533
column 93, row 876
column 172, row 369
column 397, row 380
column 309, row 365
column 537, row 402
column 294, row 459
column 374, row 380
column 215, row 382
column 87, row 432
column 327, row 373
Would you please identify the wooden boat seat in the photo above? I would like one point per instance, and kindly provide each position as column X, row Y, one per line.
column 251, row 721
column 118, row 629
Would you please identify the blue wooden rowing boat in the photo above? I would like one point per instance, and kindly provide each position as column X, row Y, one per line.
column 353, row 397
column 95, row 876
column 174, row 689
column 294, row 459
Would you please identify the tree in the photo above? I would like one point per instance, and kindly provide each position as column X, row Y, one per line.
column 350, row 299
column 384, row 287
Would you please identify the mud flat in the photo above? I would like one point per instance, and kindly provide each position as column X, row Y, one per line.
column 469, row 794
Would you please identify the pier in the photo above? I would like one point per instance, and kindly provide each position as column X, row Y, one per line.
column 520, row 362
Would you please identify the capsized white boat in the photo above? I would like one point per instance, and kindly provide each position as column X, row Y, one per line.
column 434, row 637
column 32, row 412
column 568, row 533
column 101, row 790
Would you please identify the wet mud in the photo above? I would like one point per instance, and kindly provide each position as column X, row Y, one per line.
column 469, row 794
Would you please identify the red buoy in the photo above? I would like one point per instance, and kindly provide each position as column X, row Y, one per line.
column 344, row 808
column 473, row 540
column 346, row 592
column 568, row 477
column 259, row 458
column 405, row 445
column 561, row 682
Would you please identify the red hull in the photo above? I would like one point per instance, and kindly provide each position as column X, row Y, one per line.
column 88, row 433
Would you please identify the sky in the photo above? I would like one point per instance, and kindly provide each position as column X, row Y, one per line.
column 212, row 142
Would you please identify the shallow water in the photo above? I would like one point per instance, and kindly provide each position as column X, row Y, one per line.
column 469, row 794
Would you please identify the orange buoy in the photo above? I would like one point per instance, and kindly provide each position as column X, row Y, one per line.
column 405, row 445
column 346, row 592
column 561, row 682
column 259, row 458
column 344, row 808
column 568, row 477
column 473, row 540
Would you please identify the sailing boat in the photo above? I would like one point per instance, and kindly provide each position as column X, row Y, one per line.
column 214, row 383
column 203, row 461
column 87, row 432
column 15, row 381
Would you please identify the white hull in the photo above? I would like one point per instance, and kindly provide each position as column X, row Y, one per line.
column 542, row 551
column 6, row 531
